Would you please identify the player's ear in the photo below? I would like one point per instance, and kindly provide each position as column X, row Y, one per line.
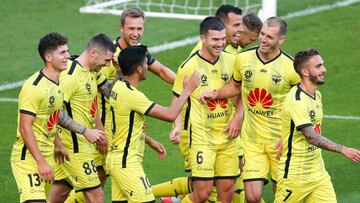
column 48, row 56
column 202, row 38
column 121, row 28
column 282, row 39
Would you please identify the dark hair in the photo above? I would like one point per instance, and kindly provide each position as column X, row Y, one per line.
column 252, row 22
column 103, row 42
column 130, row 58
column 223, row 11
column 50, row 42
column 277, row 22
column 302, row 57
column 211, row 23
column 131, row 12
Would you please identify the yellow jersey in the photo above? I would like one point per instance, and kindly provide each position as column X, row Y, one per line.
column 264, row 86
column 41, row 98
column 301, row 160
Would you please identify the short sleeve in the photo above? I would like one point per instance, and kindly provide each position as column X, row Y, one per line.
column 299, row 113
column 100, row 80
column 178, row 83
column 237, row 68
column 140, row 103
column 29, row 100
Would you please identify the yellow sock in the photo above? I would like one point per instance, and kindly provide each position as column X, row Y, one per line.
column 75, row 197
column 175, row 187
column 213, row 195
column 186, row 199
column 239, row 194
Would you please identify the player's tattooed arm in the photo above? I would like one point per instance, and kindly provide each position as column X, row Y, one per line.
column 105, row 89
column 92, row 135
column 67, row 122
column 320, row 141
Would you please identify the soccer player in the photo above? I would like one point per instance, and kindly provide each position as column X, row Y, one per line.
column 302, row 176
column 40, row 112
column 263, row 75
column 129, row 107
column 248, row 34
column 132, row 29
column 81, row 82
column 213, row 152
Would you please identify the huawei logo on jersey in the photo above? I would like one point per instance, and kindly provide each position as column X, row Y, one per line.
column 212, row 104
column 53, row 120
column 260, row 96
column 94, row 106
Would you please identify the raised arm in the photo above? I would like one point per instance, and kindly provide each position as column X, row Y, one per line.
column 170, row 113
column 163, row 72
column 318, row 140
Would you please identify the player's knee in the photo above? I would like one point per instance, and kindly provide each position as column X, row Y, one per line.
column 252, row 198
column 203, row 195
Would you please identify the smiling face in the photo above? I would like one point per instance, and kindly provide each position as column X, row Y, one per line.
column 100, row 58
column 213, row 42
column 316, row 70
column 270, row 39
column 233, row 27
column 58, row 58
column 132, row 30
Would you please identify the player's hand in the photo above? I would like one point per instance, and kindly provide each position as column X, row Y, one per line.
column 46, row 172
column 279, row 146
column 103, row 145
column 234, row 126
column 175, row 135
column 351, row 153
column 115, row 63
column 206, row 96
column 159, row 148
column 190, row 84
column 61, row 154
column 94, row 135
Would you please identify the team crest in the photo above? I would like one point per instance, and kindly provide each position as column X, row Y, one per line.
column 248, row 74
column 312, row 115
column 224, row 76
column 276, row 79
column 204, row 79
column 88, row 87
column 51, row 101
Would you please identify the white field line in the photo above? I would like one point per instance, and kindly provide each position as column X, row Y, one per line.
column 15, row 100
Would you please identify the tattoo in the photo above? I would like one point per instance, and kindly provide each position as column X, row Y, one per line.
column 320, row 141
column 67, row 122
column 106, row 89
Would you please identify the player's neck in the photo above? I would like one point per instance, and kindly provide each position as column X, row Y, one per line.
column 207, row 56
column 268, row 56
column 51, row 73
column 122, row 43
column 308, row 87
column 84, row 61
column 133, row 80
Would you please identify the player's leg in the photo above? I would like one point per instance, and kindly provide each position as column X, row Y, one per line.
column 291, row 191
column 323, row 192
column 226, row 171
column 256, row 169
column 28, row 181
column 202, row 159
column 94, row 195
column 175, row 187
column 60, row 190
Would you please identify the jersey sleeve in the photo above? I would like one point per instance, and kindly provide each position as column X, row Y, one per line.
column 178, row 83
column 29, row 100
column 298, row 113
column 294, row 78
column 197, row 47
column 100, row 80
column 140, row 103
column 237, row 69
column 150, row 59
